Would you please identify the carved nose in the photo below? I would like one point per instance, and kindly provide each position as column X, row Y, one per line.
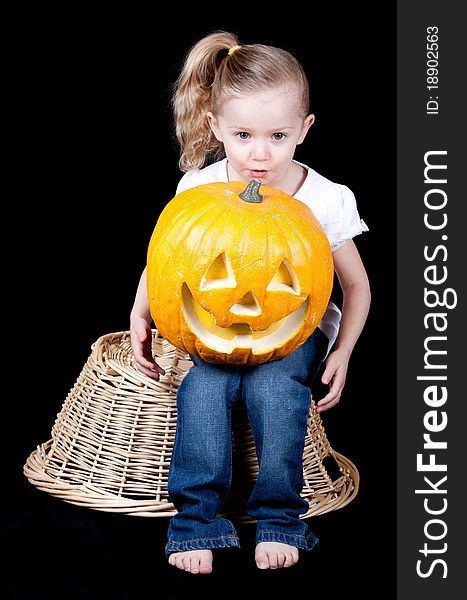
column 248, row 305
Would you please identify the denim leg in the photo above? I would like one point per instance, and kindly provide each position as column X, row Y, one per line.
column 277, row 396
column 201, row 466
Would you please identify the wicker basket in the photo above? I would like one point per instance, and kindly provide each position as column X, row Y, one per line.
column 112, row 441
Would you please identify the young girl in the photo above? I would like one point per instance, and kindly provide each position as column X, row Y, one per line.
column 250, row 104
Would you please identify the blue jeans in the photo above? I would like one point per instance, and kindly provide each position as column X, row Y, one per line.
column 277, row 398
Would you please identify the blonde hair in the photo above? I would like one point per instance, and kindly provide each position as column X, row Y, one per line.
column 210, row 74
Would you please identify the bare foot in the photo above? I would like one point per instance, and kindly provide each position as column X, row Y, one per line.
column 274, row 555
column 194, row 561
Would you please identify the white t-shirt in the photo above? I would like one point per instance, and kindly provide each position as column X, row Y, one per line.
column 332, row 204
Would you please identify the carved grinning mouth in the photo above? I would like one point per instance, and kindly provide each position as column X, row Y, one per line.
column 240, row 335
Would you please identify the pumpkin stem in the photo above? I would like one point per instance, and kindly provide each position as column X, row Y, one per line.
column 251, row 192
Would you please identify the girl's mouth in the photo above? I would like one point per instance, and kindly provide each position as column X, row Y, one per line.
column 258, row 172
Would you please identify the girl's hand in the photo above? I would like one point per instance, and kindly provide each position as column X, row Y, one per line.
column 141, row 341
column 334, row 375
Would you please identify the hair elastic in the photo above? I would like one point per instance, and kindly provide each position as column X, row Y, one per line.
column 233, row 49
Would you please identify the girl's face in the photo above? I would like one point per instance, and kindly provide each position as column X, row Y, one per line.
column 260, row 132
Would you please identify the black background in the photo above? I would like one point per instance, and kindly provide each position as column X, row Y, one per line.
column 97, row 162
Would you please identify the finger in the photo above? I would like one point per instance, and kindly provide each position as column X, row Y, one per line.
column 148, row 360
column 144, row 362
column 333, row 393
column 328, row 374
column 149, row 372
column 159, row 369
column 328, row 402
column 324, row 408
column 146, row 352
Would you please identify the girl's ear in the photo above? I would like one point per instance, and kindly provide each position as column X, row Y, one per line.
column 307, row 123
column 214, row 125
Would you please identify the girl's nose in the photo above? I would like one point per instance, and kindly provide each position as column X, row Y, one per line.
column 260, row 152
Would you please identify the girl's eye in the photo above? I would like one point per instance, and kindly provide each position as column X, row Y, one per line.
column 278, row 136
column 243, row 135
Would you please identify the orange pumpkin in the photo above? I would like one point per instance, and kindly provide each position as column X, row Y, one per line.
column 238, row 278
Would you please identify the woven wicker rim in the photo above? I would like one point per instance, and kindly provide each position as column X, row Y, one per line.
column 112, row 441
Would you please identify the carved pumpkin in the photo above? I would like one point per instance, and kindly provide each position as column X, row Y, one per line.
column 238, row 278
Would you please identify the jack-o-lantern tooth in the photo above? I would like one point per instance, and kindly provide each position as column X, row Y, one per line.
column 247, row 306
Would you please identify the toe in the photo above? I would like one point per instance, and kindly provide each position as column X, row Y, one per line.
column 273, row 560
column 289, row 560
column 262, row 561
column 205, row 566
column 194, row 564
column 281, row 557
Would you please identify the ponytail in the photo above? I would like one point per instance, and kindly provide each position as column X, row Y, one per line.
column 192, row 100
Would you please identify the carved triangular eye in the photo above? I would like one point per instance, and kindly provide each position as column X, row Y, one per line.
column 248, row 305
column 218, row 275
column 285, row 279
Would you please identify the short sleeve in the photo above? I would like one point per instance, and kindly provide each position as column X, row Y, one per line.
column 210, row 174
column 342, row 221
column 189, row 180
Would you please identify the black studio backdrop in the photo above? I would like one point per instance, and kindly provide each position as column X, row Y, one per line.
column 99, row 162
